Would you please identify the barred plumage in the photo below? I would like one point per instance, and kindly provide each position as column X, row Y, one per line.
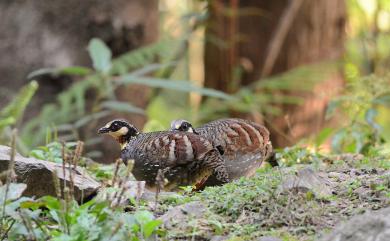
column 185, row 158
column 243, row 144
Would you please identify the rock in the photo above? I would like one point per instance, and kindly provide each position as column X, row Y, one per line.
column 373, row 226
column 180, row 216
column 226, row 238
column 349, row 158
column 308, row 180
column 38, row 175
column 269, row 238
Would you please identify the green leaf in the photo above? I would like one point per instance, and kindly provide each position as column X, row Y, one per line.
column 337, row 140
column 72, row 70
column 151, row 68
column 38, row 154
column 322, row 136
column 150, row 227
column 184, row 86
column 122, row 107
column 100, row 55
column 143, row 217
column 51, row 203
column 7, row 121
column 17, row 106
column 370, row 118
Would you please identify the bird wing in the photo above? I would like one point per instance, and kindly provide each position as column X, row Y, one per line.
column 245, row 143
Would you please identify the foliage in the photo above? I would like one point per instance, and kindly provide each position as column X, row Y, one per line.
column 244, row 209
column 13, row 112
column 56, row 219
column 62, row 218
column 363, row 102
column 266, row 97
column 249, row 208
column 53, row 151
column 71, row 114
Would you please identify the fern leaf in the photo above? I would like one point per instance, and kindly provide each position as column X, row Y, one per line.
column 14, row 110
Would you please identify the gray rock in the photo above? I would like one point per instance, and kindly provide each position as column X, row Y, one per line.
column 219, row 238
column 372, row 226
column 38, row 175
column 269, row 238
column 306, row 179
column 225, row 238
column 182, row 214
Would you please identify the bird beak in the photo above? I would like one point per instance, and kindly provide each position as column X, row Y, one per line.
column 103, row 130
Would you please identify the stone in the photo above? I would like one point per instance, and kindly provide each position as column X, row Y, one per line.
column 182, row 214
column 38, row 176
column 308, row 180
column 226, row 238
column 219, row 238
column 371, row 226
column 269, row 238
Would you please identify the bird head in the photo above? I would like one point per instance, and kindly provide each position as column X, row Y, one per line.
column 182, row 125
column 121, row 130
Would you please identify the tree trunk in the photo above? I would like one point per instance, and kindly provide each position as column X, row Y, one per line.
column 55, row 33
column 265, row 38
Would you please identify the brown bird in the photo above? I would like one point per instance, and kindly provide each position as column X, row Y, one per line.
column 183, row 158
column 243, row 144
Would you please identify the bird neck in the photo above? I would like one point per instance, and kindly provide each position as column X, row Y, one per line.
column 125, row 139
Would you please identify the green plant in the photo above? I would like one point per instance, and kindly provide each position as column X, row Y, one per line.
column 72, row 113
column 54, row 219
column 52, row 151
column 364, row 103
column 266, row 97
column 62, row 218
column 13, row 112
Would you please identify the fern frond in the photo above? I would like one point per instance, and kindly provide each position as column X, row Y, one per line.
column 141, row 57
column 14, row 110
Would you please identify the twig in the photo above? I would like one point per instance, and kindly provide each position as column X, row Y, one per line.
column 63, row 154
column 279, row 36
column 56, row 183
column 123, row 183
column 11, row 166
column 76, row 158
column 159, row 185
column 71, row 184
column 114, row 178
column 65, row 209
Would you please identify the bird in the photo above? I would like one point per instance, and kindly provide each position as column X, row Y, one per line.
column 243, row 144
column 184, row 159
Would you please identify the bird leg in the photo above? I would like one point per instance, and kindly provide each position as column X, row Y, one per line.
column 160, row 182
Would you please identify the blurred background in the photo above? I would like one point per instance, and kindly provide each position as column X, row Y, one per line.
column 315, row 72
